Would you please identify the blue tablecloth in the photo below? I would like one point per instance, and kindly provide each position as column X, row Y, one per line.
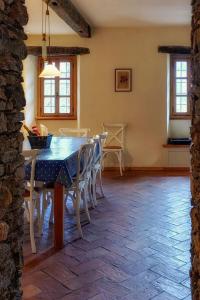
column 59, row 163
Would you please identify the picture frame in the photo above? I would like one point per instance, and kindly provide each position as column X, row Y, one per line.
column 123, row 80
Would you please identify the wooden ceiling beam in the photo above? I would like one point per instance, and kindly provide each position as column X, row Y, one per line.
column 37, row 50
column 174, row 49
column 66, row 10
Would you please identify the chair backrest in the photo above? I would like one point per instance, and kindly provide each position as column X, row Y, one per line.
column 85, row 160
column 97, row 149
column 30, row 159
column 115, row 134
column 103, row 136
column 100, row 142
column 79, row 132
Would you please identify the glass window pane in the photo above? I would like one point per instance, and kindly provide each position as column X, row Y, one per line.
column 181, row 100
column 64, row 87
column 181, row 87
column 181, row 104
column 49, row 105
column 48, row 110
column 183, row 108
column 181, row 69
column 64, row 105
column 181, row 65
column 49, row 87
column 65, row 69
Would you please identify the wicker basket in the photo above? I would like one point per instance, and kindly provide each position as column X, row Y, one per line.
column 40, row 142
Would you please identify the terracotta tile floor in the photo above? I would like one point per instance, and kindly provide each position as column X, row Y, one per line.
column 137, row 246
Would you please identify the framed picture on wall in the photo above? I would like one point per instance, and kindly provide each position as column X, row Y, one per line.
column 123, row 80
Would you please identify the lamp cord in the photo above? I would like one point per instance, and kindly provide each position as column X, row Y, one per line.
column 46, row 28
column 49, row 28
column 43, row 31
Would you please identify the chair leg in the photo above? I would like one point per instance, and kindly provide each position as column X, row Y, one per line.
column 66, row 194
column 92, row 191
column 51, row 218
column 48, row 197
column 103, row 160
column 100, row 184
column 85, row 201
column 39, row 215
column 74, row 200
column 120, row 162
column 119, row 158
column 44, row 204
column 27, row 211
column 94, row 194
column 31, row 214
column 123, row 162
column 77, row 208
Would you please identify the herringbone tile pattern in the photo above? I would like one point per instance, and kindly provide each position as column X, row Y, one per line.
column 136, row 248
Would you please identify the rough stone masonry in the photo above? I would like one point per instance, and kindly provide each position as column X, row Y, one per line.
column 195, row 151
column 13, row 16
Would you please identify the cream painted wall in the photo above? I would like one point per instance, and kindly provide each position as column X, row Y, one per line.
column 145, row 108
column 53, row 126
column 180, row 128
column 30, row 88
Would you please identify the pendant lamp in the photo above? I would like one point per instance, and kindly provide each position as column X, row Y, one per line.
column 50, row 69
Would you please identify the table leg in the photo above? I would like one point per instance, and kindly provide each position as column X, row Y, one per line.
column 58, row 217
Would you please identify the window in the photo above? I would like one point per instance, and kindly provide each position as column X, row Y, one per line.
column 57, row 96
column 180, row 85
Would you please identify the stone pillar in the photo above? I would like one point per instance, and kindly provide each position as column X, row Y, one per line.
column 195, row 151
column 13, row 16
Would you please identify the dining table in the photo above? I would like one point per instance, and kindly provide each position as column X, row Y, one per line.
column 57, row 165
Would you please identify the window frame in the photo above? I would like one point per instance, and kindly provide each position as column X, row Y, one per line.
column 173, row 59
column 73, row 98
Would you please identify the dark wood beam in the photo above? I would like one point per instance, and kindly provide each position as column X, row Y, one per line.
column 174, row 49
column 37, row 50
column 69, row 13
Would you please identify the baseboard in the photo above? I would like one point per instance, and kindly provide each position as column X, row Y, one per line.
column 151, row 169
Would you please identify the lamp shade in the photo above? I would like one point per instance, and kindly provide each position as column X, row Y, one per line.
column 50, row 71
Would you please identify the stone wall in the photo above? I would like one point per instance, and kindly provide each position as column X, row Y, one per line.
column 195, row 151
column 13, row 16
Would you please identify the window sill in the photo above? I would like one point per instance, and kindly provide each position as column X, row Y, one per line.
column 180, row 117
column 175, row 146
column 57, row 118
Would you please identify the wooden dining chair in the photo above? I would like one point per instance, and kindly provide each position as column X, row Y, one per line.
column 97, row 165
column 80, row 189
column 31, row 196
column 114, row 143
column 81, row 182
column 79, row 132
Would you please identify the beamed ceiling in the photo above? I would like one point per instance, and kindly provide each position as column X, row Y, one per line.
column 115, row 13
